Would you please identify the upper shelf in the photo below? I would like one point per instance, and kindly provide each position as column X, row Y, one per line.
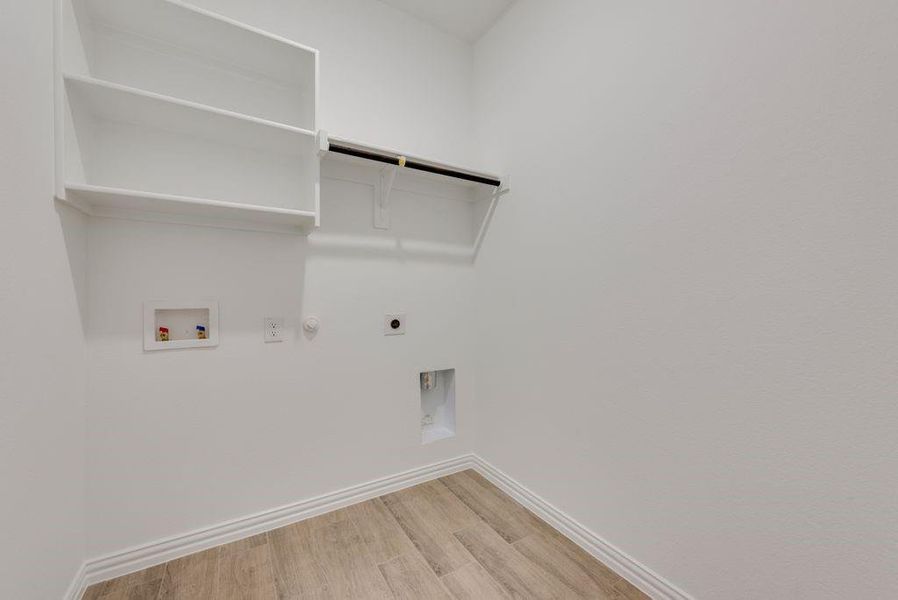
column 113, row 102
column 174, row 49
column 118, row 137
column 174, row 113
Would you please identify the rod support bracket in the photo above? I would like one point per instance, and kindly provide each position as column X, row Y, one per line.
column 384, row 188
column 322, row 142
column 504, row 185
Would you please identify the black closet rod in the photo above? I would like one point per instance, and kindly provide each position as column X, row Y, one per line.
column 402, row 161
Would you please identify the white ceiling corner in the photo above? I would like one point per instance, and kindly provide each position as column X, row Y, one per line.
column 465, row 19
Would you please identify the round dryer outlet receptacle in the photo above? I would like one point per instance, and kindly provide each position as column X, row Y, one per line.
column 394, row 324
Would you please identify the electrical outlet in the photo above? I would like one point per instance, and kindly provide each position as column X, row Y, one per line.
column 394, row 324
column 274, row 329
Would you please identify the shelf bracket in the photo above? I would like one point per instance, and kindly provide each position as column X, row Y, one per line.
column 322, row 141
column 504, row 188
column 382, row 197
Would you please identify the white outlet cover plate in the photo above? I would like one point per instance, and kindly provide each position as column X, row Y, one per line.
column 388, row 324
column 274, row 329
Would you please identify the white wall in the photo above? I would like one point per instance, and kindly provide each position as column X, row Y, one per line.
column 703, row 203
column 185, row 439
column 386, row 77
column 42, row 353
column 689, row 298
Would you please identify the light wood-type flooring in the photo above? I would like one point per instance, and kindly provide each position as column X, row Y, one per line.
column 454, row 538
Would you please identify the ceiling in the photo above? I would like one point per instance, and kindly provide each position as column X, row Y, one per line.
column 466, row 19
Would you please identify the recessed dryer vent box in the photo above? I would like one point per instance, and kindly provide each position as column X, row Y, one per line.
column 437, row 405
column 186, row 325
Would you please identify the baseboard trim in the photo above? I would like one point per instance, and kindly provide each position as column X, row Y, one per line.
column 78, row 585
column 148, row 555
column 624, row 565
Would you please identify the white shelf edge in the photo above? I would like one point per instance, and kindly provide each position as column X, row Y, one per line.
column 100, row 189
column 212, row 213
column 255, row 30
column 92, row 81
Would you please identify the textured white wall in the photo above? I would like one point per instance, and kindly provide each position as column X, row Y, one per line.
column 688, row 301
column 712, row 233
column 386, row 77
column 184, row 439
column 42, row 350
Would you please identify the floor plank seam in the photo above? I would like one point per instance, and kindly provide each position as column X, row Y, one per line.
column 405, row 544
column 162, row 583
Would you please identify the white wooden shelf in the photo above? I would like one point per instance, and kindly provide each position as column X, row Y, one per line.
column 115, row 102
column 172, row 111
column 106, row 201
column 414, row 194
column 173, row 48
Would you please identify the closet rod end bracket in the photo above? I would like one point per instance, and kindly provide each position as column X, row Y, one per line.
column 382, row 202
column 323, row 142
column 504, row 185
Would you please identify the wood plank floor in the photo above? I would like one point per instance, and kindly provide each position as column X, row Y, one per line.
column 455, row 538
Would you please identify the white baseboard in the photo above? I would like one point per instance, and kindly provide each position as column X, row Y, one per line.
column 148, row 555
column 621, row 563
column 78, row 585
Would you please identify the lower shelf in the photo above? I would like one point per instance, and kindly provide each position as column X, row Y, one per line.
column 104, row 201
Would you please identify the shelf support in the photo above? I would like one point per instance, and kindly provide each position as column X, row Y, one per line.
column 500, row 191
column 382, row 199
